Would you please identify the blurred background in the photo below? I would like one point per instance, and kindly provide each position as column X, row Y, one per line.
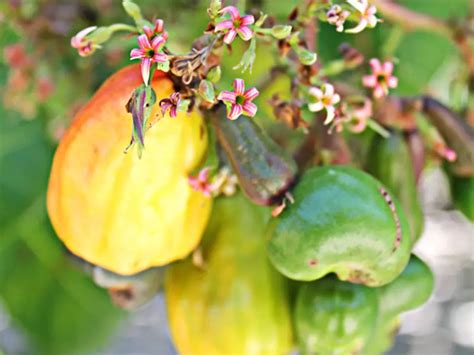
column 48, row 305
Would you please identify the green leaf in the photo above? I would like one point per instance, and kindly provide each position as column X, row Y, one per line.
column 420, row 55
column 60, row 309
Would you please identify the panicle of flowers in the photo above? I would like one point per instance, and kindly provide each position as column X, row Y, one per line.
column 337, row 16
column 236, row 25
column 381, row 78
column 324, row 98
column 201, row 182
column 171, row 104
column 82, row 43
column 366, row 14
column 240, row 100
column 149, row 52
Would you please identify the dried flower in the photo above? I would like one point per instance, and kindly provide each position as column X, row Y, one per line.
column 149, row 52
column 236, row 25
column 336, row 16
column 381, row 78
column 225, row 183
column 240, row 100
column 366, row 13
column 84, row 45
column 171, row 104
column 158, row 30
column 324, row 98
column 201, row 182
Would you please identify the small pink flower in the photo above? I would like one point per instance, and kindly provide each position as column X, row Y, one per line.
column 171, row 104
column 336, row 16
column 158, row 30
column 366, row 13
column 324, row 98
column 149, row 52
column 201, row 182
column 240, row 99
column 444, row 151
column 381, row 78
column 237, row 25
column 360, row 117
column 84, row 46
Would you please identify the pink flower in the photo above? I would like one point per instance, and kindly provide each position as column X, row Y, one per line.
column 366, row 13
column 158, row 30
column 201, row 182
column 444, row 151
column 149, row 52
column 240, row 99
column 360, row 116
column 336, row 16
column 171, row 104
column 381, row 78
column 84, row 46
column 237, row 25
column 324, row 98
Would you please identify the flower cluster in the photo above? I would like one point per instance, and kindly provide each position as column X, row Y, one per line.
column 337, row 16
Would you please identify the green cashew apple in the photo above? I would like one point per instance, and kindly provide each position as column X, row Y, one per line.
column 389, row 161
column 343, row 221
column 334, row 317
column 408, row 291
column 236, row 303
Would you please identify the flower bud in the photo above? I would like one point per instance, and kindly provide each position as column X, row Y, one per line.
column 281, row 31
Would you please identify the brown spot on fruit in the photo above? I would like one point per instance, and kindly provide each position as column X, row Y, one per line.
column 312, row 262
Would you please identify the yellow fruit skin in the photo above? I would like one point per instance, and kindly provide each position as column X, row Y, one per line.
column 115, row 210
column 237, row 303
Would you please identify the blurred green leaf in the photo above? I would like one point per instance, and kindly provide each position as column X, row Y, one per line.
column 57, row 306
column 439, row 8
column 420, row 55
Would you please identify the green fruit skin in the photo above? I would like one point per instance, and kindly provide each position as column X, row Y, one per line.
column 462, row 190
column 408, row 291
column 390, row 162
column 237, row 304
column 340, row 222
column 265, row 170
column 334, row 317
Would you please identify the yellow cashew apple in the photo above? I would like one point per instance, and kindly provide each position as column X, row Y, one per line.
column 119, row 211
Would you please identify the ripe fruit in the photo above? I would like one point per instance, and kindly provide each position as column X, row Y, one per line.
column 343, row 221
column 237, row 303
column 118, row 211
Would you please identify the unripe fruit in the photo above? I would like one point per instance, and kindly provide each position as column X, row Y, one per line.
column 389, row 161
column 334, row 317
column 237, row 303
column 343, row 221
column 115, row 210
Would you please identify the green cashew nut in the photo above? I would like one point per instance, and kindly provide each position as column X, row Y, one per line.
column 334, row 317
column 408, row 291
column 343, row 221
column 390, row 162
